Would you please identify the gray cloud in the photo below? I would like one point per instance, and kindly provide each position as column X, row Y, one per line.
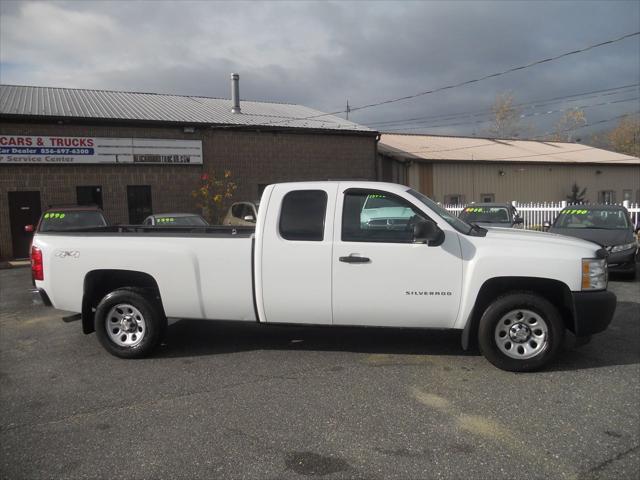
column 321, row 54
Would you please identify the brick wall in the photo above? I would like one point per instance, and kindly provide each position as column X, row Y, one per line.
column 254, row 158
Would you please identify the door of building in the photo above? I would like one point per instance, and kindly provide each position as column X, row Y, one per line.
column 24, row 209
column 89, row 195
column 139, row 200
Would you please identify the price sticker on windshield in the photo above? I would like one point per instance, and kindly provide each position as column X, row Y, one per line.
column 574, row 212
column 54, row 215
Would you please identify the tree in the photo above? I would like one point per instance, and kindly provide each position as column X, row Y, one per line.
column 568, row 123
column 576, row 196
column 214, row 195
column 625, row 137
column 506, row 117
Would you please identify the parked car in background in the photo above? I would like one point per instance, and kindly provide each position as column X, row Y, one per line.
column 607, row 225
column 242, row 213
column 491, row 215
column 69, row 217
column 181, row 219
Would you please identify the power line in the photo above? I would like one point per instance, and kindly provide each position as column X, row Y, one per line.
column 526, row 115
column 618, row 117
column 490, row 143
column 498, row 74
column 534, row 104
column 455, row 85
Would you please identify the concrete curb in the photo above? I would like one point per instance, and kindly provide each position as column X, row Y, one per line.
column 15, row 264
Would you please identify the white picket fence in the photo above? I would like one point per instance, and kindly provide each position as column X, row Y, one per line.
column 535, row 214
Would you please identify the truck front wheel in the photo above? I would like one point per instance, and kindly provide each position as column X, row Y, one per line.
column 128, row 324
column 520, row 332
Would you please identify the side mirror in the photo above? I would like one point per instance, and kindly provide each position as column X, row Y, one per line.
column 426, row 231
column 249, row 218
column 28, row 228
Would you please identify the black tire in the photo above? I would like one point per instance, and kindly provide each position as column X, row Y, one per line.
column 135, row 303
column 541, row 311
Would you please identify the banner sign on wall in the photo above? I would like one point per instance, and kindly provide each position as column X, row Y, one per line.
column 76, row 150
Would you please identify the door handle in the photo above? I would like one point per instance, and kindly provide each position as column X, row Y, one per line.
column 354, row 259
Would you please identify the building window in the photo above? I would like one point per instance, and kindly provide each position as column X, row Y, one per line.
column 627, row 195
column 454, row 199
column 139, row 202
column 302, row 215
column 487, row 197
column 371, row 216
column 606, row 196
column 89, row 195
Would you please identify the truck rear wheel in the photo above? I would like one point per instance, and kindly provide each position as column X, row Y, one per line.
column 520, row 332
column 128, row 324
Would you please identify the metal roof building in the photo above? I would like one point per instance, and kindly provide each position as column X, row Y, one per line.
column 18, row 101
column 470, row 149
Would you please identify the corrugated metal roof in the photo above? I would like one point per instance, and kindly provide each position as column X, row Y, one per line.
column 432, row 147
column 104, row 104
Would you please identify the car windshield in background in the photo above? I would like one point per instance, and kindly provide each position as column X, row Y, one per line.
column 70, row 220
column 455, row 222
column 485, row 215
column 581, row 217
column 191, row 221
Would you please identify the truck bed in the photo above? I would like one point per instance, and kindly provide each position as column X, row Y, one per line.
column 201, row 272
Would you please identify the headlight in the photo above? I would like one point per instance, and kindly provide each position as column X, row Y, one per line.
column 626, row 246
column 594, row 274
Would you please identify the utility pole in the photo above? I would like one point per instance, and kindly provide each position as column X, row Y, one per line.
column 348, row 109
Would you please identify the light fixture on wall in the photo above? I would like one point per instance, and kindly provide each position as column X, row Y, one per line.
column 598, row 172
column 501, row 173
column 189, row 129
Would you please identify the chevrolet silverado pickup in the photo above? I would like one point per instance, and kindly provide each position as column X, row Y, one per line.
column 333, row 253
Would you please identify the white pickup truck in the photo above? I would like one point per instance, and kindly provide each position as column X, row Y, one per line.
column 333, row 253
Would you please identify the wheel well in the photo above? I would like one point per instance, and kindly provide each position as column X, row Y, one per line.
column 99, row 283
column 556, row 292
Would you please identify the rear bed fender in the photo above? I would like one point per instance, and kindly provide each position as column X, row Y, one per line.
column 99, row 283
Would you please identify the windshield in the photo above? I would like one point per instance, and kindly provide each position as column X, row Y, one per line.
column 485, row 214
column 192, row 221
column 582, row 217
column 69, row 220
column 455, row 222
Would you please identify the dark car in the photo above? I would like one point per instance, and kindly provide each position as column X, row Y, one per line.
column 69, row 217
column 491, row 215
column 607, row 225
column 178, row 219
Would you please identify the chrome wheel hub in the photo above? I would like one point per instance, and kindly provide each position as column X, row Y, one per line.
column 519, row 333
column 125, row 325
column 522, row 334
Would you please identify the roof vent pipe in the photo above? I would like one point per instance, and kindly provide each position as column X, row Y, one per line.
column 235, row 93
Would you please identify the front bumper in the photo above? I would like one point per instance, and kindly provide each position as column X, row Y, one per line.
column 592, row 311
column 622, row 262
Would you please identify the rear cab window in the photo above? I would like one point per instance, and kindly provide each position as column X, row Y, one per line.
column 302, row 215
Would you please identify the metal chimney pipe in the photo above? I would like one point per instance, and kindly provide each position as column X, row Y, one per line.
column 235, row 93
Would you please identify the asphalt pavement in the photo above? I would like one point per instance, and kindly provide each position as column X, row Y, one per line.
column 220, row 400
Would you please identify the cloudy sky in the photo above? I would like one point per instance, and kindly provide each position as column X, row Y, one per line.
column 322, row 54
